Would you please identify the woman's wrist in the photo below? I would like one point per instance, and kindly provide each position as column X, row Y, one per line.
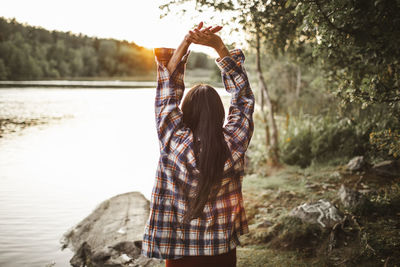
column 178, row 55
column 221, row 49
column 186, row 41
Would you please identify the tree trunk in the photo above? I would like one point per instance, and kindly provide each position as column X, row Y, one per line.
column 267, row 136
column 271, row 129
column 298, row 84
column 264, row 117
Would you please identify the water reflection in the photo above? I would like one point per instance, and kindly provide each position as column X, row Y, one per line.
column 54, row 175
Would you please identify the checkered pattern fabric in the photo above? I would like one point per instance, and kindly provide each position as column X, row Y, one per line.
column 224, row 220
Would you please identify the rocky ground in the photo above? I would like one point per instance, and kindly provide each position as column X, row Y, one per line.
column 323, row 216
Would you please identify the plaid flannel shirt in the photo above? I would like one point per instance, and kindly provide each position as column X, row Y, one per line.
column 224, row 220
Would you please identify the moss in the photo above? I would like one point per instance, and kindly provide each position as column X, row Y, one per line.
column 262, row 256
column 381, row 228
column 294, row 234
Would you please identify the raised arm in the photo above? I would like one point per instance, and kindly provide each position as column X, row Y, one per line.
column 170, row 86
column 240, row 125
column 169, row 92
column 180, row 51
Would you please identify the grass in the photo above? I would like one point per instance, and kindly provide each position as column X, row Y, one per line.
column 262, row 256
column 367, row 238
column 287, row 179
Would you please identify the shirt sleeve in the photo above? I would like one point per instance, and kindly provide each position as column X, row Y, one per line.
column 170, row 89
column 240, row 125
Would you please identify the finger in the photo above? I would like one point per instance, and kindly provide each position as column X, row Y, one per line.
column 196, row 38
column 200, row 25
column 189, row 34
column 207, row 33
column 201, row 35
column 205, row 29
column 195, row 32
column 216, row 29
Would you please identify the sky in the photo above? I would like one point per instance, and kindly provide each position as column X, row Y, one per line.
column 132, row 20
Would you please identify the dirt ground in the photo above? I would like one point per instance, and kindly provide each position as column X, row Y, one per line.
column 368, row 236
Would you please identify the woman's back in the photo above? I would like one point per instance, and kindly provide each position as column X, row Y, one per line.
column 222, row 220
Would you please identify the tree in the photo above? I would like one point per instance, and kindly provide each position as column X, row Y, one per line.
column 354, row 42
column 271, row 130
column 3, row 70
column 251, row 19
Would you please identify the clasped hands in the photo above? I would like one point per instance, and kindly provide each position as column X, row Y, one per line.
column 202, row 36
column 207, row 36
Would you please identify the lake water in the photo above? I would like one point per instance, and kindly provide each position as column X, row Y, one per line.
column 54, row 175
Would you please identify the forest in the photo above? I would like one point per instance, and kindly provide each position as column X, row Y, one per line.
column 33, row 53
column 328, row 72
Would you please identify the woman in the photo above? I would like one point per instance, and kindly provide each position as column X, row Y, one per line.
column 196, row 210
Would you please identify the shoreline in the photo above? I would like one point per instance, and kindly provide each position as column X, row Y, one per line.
column 95, row 84
column 10, row 126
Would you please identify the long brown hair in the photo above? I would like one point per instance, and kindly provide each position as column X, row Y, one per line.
column 204, row 114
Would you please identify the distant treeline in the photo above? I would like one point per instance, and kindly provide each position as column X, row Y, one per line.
column 29, row 53
column 35, row 53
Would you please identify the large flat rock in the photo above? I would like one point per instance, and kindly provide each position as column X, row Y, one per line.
column 111, row 235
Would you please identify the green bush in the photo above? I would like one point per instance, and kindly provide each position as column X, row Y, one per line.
column 257, row 151
column 320, row 139
column 336, row 139
column 296, row 148
column 329, row 139
column 387, row 140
